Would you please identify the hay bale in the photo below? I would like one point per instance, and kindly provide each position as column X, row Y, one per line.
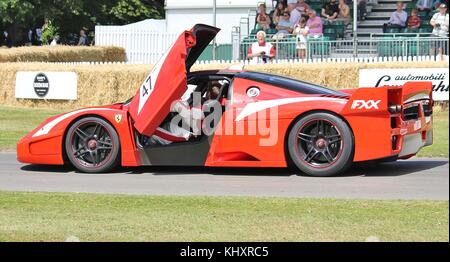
column 335, row 75
column 97, row 84
column 63, row 54
column 332, row 75
column 111, row 83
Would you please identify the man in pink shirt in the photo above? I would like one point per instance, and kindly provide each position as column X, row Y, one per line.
column 314, row 24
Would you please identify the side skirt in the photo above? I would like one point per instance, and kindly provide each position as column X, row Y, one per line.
column 177, row 154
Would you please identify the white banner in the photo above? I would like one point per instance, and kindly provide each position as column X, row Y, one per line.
column 392, row 76
column 46, row 85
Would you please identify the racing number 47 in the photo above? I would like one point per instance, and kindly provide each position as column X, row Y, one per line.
column 145, row 89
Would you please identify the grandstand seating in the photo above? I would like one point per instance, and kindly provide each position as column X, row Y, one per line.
column 336, row 31
column 409, row 30
column 425, row 30
column 392, row 30
column 402, row 46
column 331, row 33
column 340, row 27
column 271, row 31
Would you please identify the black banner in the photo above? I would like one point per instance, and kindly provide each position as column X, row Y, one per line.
column 224, row 251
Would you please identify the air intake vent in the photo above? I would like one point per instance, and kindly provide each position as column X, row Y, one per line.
column 427, row 110
column 336, row 96
column 411, row 113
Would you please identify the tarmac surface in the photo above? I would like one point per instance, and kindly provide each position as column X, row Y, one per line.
column 417, row 178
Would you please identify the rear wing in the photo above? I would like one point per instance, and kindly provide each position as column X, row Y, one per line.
column 391, row 99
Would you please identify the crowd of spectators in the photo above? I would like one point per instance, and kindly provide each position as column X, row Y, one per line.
column 287, row 14
column 332, row 10
column 335, row 10
column 297, row 18
column 400, row 19
column 46, row 34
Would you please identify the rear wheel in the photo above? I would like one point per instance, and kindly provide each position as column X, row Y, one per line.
column 321, row 144
column 92, row 145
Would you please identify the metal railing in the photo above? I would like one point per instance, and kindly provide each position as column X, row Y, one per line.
column 408, row 45
column 374, row 36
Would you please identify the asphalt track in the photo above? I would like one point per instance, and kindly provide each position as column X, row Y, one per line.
column 411, row 179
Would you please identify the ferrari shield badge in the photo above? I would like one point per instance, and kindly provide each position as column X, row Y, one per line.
column 118, row 118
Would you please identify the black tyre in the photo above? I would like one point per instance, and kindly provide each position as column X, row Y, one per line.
column 92, row 145
column 321, row 144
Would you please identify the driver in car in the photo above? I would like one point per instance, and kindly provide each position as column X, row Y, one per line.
column 190, row 117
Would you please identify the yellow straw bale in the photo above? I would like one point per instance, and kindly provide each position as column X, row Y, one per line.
column 110, row 83
column 63, row 54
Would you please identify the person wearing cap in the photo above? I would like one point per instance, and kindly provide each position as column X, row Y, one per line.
column 261, row 51
column 440, row 22
column 436, row 3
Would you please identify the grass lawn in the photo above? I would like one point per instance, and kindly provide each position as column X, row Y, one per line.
column 94, row 217
column 17, row 122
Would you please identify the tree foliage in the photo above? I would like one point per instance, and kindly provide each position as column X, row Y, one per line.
column 73, row 15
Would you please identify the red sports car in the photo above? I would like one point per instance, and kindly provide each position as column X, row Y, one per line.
column 246, row 119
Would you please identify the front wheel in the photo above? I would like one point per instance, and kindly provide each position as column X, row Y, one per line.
column 92, row 145
column 321, row 144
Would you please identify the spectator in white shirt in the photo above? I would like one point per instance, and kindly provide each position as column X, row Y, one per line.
column 55, row 41
column 261, row 51
column 301, row 31
column 440, row 23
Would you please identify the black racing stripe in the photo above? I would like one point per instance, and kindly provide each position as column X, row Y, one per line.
column 289, row 83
